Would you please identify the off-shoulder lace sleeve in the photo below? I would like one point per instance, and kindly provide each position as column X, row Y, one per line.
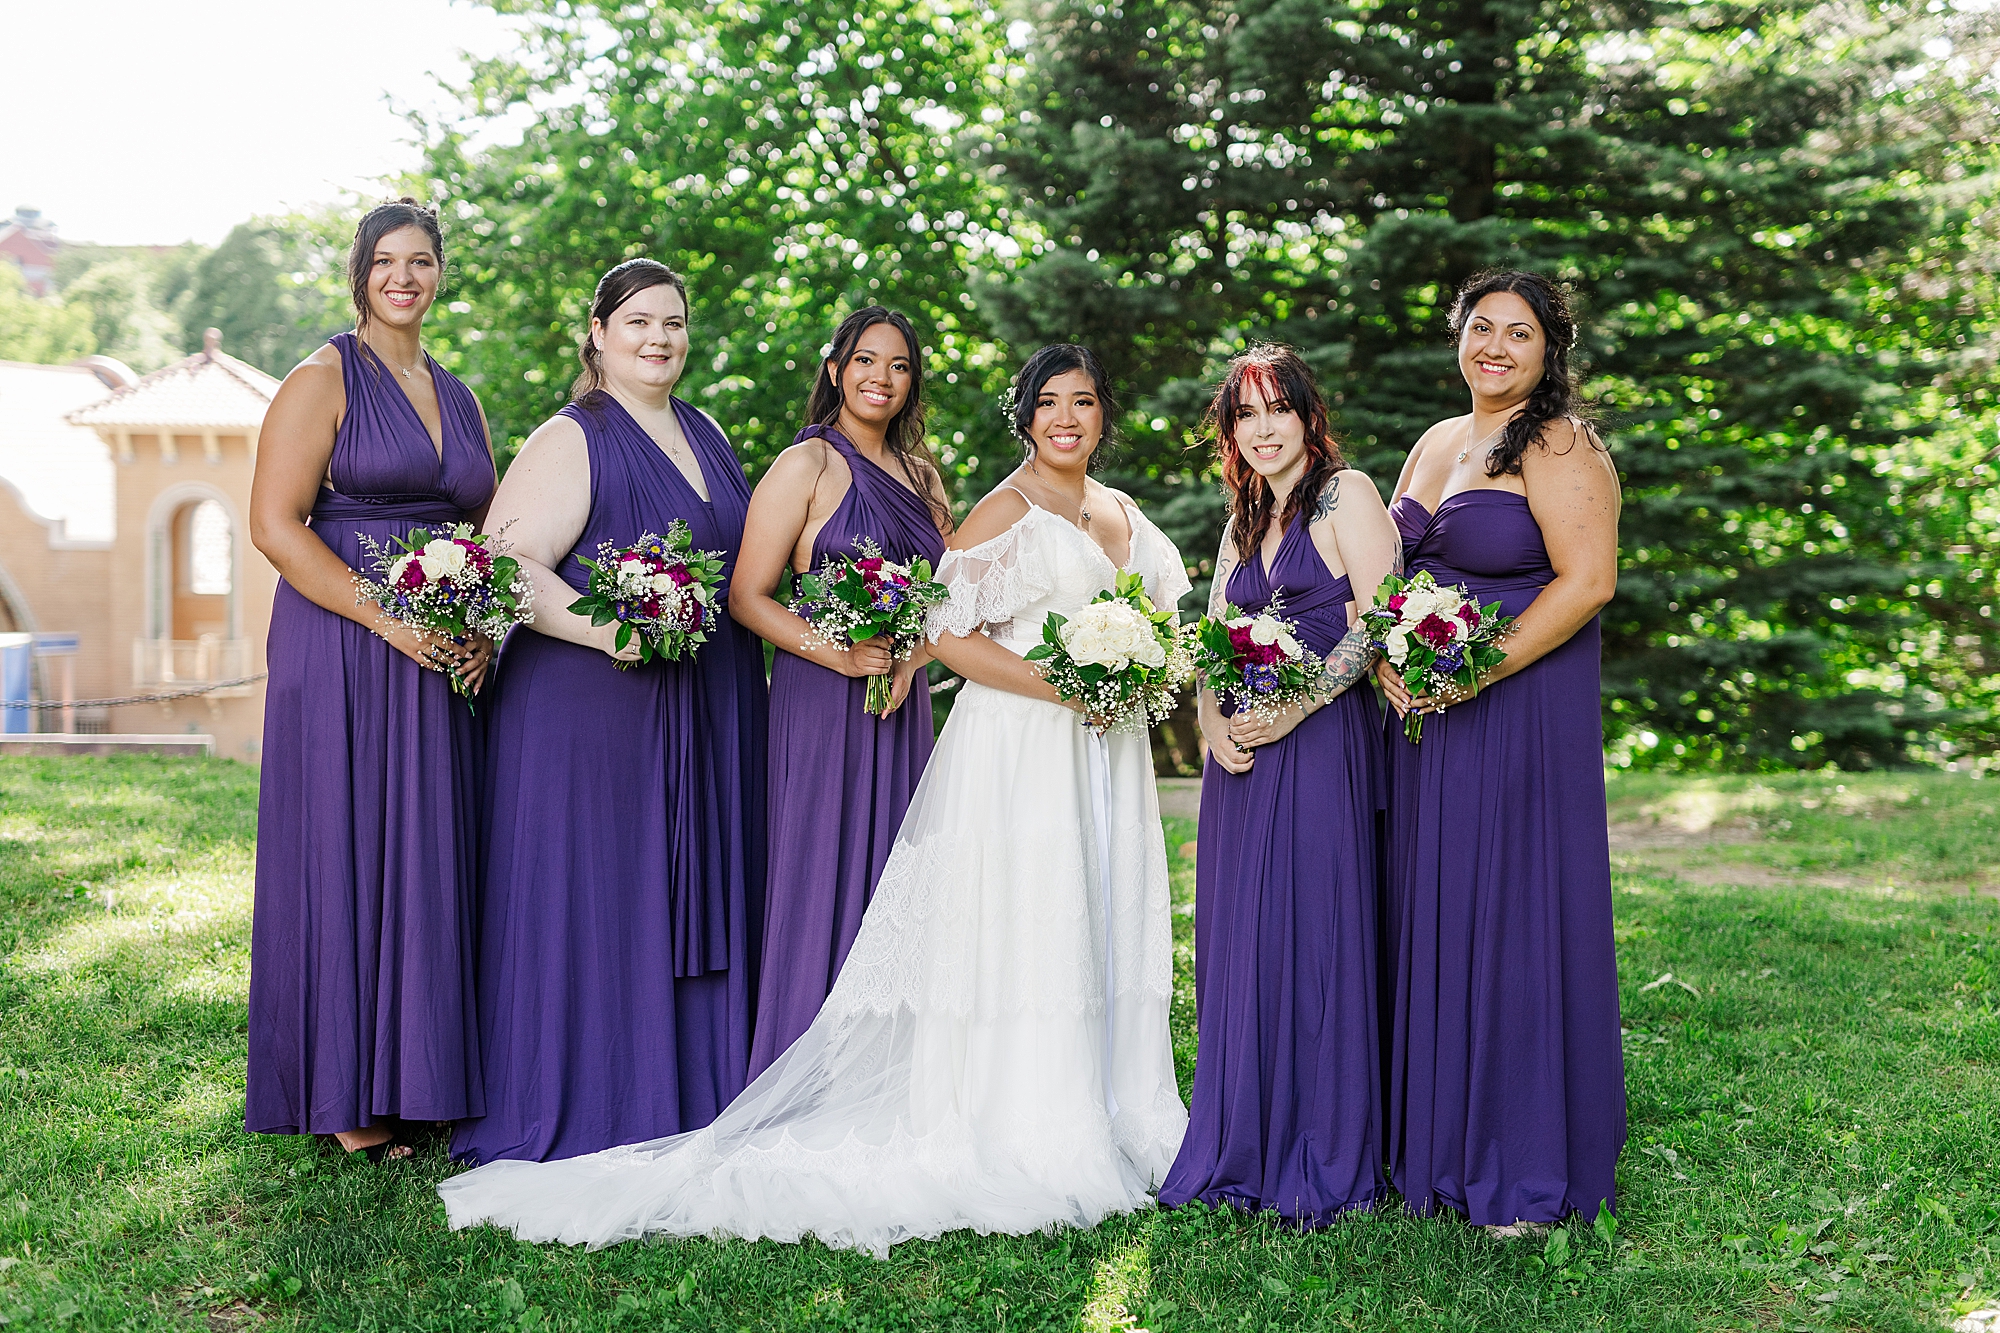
column 1158, row 561
column 993, row 580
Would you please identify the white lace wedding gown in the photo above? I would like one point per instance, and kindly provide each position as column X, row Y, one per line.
column 995, row 1053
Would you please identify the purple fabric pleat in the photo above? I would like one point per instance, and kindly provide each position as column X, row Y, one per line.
column 840, row 779
column 1506, row 1077
column 623, row 876
column 1286, row 1111
column 361, row 951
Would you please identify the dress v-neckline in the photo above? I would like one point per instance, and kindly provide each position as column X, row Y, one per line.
column 437, row 443
column 675, row 404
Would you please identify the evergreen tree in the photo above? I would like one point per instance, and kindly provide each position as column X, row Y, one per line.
column 1739, row 196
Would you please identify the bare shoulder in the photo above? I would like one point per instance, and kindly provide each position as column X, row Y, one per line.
column 1000, row 510
column 1570, row 445
column 1570, row 466
column 802, row 462
column 317, row 378
column 1357, row 491
column 556, row 443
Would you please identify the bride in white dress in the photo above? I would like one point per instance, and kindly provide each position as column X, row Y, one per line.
column 995, row 1053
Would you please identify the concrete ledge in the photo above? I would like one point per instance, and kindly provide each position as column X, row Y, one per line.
column 48, row 744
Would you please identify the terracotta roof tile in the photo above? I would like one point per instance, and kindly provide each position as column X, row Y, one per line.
column 209, row 390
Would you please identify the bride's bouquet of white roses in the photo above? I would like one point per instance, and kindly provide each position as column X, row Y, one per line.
column 1118, row 657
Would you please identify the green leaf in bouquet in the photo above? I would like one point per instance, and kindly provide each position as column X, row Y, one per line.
column 812, row 587
column 920, row 570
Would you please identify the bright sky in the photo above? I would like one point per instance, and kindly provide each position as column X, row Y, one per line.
column 160, row 121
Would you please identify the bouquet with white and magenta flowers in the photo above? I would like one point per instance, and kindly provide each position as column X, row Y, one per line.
column 1256, row 661
column 1434, row 636
column 1118, row 657
column 450, row 584
column 660, row 591
column 850, row 601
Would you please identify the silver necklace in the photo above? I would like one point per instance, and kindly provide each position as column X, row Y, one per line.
column 1462, row 453
column 1082, row 506
column 405, row 369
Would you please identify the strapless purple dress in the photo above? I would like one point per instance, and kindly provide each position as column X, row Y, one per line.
column 1506, row 1078
column 623, row 889
column 1286, row 1114
column 361, row 999
column 840, row 778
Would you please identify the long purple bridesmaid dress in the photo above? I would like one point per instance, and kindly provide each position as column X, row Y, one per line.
column 1286, row 1114
column 1506, row 1078
column 623, row 886
column 840, row 777
column 361, row 995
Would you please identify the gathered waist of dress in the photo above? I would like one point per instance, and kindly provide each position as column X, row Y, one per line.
column 333, row 507
column 1484, row 585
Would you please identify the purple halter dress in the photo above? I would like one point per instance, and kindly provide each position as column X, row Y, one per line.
column 623, row 885
column 361, row 1000
column 1286, row 1113
column 840, row 778
column 1506, row 1078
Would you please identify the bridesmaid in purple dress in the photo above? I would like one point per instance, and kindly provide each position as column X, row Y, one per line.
column 1286, row 1113
column 1506, row 1081
column 623, row 874
column 361, row 1002
column 840, row 778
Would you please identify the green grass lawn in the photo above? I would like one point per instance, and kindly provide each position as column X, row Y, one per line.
column 1813, row 1139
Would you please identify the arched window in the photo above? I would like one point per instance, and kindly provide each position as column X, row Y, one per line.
column 210, row 552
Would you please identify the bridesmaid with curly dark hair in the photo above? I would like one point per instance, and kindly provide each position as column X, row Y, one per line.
column 1506, row 1079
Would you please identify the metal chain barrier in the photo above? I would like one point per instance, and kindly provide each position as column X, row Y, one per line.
column 191, row 692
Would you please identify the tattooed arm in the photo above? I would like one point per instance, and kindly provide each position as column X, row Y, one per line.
column 1367, row 545
column 1214, row 726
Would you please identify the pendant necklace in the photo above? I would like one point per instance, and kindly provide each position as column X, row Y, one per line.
column 405, row 369
column 1082, row 506
column 1462, row 453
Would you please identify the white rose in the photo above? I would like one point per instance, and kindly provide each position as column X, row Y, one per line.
column 1150, row 653
column 1241, row 622
column 442, row 559
column 1397, row 644
column 1108, row 634
column 1289, row 646
column 631, row 569
column 1264, row 631
column 402, row 563
column 662, row 583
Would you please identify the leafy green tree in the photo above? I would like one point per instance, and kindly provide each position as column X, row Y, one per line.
column 276, row 288
column 130, row 295
column 1744, row 200
column 45, row 332
column 794, row 161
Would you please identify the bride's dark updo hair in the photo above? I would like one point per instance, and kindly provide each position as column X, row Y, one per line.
column 1555, row 396
column 1045, row 365
column 378, row 222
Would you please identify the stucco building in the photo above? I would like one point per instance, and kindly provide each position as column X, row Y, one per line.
column 124, row 506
